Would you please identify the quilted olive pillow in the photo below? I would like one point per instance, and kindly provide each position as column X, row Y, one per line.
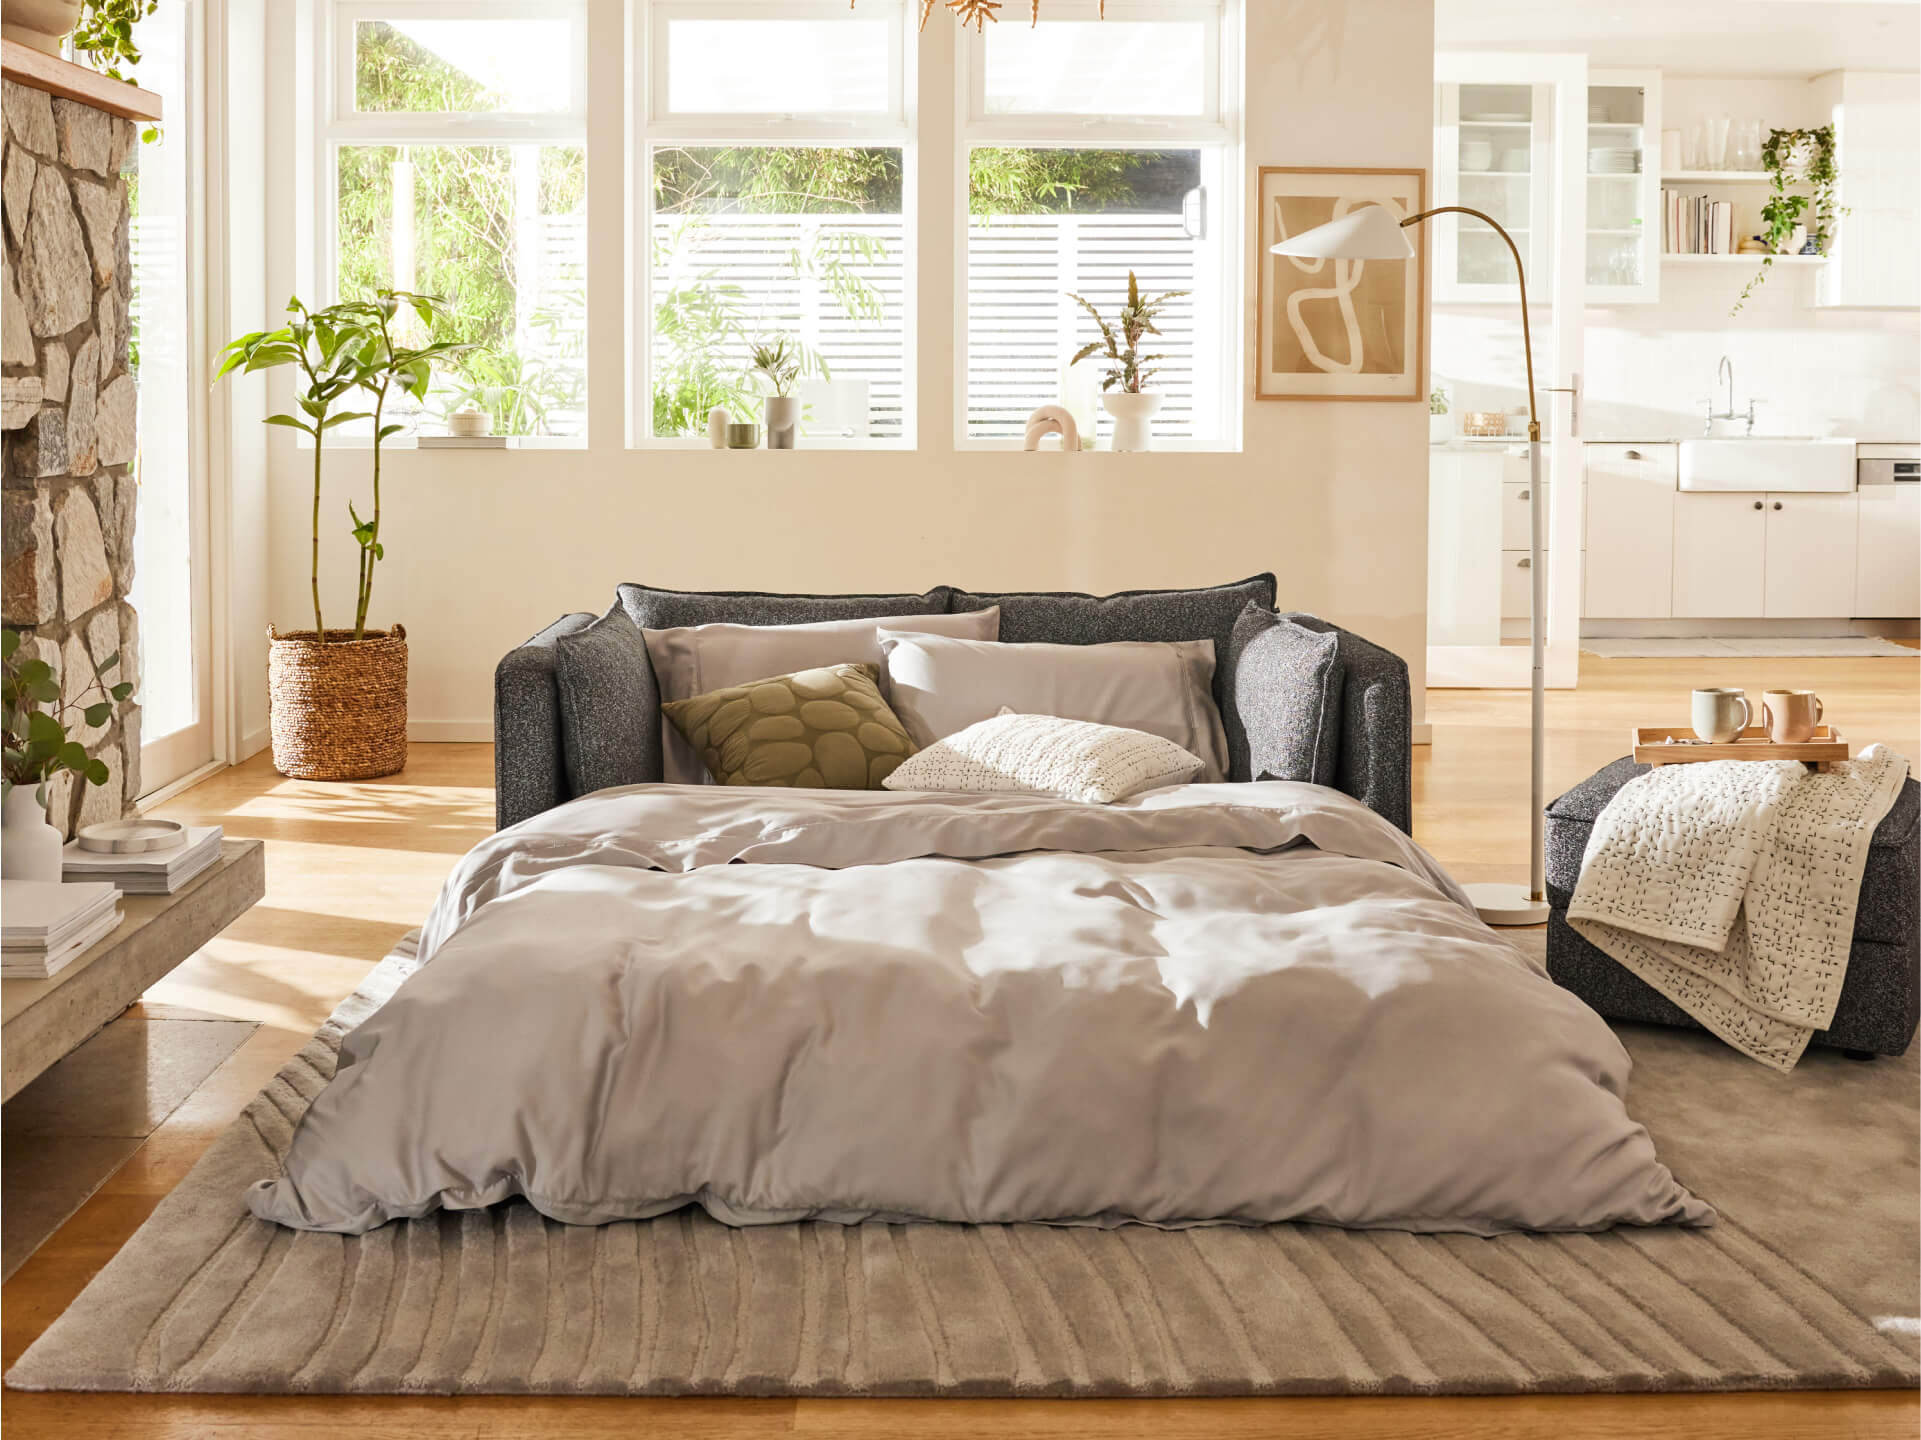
column 825, row 728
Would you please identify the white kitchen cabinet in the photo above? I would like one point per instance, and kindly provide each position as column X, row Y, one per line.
column 1887, row 582
column 1630, row 532
column 1624, row 187
column 1516, row 517
column 1810, row 556
column 1877, row 120
column 1517, row 593
column 1720, row 554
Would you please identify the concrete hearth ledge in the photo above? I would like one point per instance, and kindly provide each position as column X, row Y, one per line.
column 26, row 66
column 42, row 1020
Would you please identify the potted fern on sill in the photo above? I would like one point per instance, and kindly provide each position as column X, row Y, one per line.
column 338, row 698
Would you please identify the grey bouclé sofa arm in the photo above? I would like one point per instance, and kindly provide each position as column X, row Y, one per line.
column 1375, row 762
column 530, row 770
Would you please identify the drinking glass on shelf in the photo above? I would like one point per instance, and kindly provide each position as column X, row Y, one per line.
column 1744, row 146
column 1717, row 143
column 1698, row 145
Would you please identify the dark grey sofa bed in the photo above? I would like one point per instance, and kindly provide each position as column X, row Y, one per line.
column 1300, row 698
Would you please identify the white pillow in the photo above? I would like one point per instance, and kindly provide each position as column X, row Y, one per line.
column 691, row 660
column 1046, row 755
column 939, row 685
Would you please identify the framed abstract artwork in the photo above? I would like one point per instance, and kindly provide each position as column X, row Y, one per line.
column 1338, row 329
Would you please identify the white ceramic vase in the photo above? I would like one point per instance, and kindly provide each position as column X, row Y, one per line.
column 1440, row 428
column 42, row 25
column 782, row 419
column 29, row 846
column 1133, row 417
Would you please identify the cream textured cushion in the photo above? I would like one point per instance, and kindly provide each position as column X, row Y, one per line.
column 1046, row 755
column 941, row 684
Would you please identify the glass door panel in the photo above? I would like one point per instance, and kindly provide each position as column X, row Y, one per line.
column 1623, row 189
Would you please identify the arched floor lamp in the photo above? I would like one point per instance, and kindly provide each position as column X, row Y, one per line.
column 1373, row 233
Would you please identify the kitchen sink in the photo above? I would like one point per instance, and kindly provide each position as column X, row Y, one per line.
column 1768, row 463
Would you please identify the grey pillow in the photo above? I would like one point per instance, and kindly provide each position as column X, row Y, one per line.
column 1066, row 617
column 1283, row 710
column 655, row 609
column 609, row 705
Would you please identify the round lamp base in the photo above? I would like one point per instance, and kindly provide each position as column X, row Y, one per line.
column 1506, row 904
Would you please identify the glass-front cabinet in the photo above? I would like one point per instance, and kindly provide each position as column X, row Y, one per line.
column 1623, row 187
column 1496, row 150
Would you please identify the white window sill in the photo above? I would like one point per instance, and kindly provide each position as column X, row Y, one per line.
column 408, row 442
column 839, row 444
column 1169, row 445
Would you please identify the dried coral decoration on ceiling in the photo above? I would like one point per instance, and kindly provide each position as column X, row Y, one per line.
column 978, row 12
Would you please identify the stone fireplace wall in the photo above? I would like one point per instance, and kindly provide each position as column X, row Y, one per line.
column 67, row 397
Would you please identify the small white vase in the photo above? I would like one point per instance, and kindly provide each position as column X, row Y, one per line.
column 1440, row 429
column 782, row 419
column 41, row 25
column 1133, row 418
column 29, row 846
column 718, row 419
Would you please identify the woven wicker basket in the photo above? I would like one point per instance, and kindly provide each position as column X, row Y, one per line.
column 338, row 711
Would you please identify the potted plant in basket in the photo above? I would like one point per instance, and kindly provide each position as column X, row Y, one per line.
column 1133, row 406
column 38, row 748
column 338, row 698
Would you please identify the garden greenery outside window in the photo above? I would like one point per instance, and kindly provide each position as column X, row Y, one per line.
column 777, row 164
column 1095, row 148
column 454, row 154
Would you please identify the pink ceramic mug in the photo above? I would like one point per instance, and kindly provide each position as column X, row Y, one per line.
column 1790, row 715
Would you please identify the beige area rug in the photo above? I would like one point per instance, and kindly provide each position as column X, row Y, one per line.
column 1809, row 1281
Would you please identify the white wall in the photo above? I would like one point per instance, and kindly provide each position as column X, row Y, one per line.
column 485, row 548
column 1818, row 371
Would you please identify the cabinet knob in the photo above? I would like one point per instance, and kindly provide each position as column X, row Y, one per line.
column 1777, row 504
column 1757, row 504
column 1524, row 495
column 1636, row 455
column 1524, row 562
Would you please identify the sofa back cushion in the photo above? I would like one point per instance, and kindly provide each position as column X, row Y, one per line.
column 1067, row 617
column 652, row 608
column 1287, row 687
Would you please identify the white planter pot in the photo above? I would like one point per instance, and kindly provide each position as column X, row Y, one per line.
column 29, row 846
column 41, row 24
column 1440, row 429
column 1133, row 418
column 782, row 419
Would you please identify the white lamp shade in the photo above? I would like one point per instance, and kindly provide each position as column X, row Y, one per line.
column 1370, row 233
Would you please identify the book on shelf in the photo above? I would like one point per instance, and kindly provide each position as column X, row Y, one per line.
column 47, row 924
column 1696, row 225
column 146, row 872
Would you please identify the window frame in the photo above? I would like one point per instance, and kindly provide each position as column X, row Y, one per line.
column 337, row 125
column 650, row 126
column 1217, row 128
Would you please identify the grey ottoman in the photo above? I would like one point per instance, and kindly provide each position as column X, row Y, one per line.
column 1881, row 998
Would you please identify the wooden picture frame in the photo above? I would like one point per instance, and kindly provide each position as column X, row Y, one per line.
column 1312, row 338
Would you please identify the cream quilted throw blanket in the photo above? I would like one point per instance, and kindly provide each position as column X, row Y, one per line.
column 1730, row 886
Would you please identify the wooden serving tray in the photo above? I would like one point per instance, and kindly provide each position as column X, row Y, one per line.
column 1821, row 751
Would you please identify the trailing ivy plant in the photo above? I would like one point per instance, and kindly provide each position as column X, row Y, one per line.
column 1786, row 208
column 104, row 40
column 36, row 716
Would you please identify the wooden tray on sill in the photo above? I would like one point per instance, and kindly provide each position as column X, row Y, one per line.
column 1826, row 747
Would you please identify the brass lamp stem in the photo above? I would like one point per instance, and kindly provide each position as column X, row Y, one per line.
column 1520, row 274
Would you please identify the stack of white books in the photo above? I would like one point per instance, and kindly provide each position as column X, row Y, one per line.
column 47, row 924
column 146, row 872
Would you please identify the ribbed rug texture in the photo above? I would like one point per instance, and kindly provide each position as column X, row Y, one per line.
column 1808, row 1281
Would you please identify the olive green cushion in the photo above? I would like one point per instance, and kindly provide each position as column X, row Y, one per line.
column 825, row 728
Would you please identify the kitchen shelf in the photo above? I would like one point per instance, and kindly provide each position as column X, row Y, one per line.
column 1742, row 259
column 1715, row 177
column 1496, row 174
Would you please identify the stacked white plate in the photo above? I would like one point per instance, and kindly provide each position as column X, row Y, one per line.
column 1614, row 161
column 47, row 924
column 146, row 872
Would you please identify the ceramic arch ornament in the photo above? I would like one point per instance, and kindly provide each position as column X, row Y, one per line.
column 1052, row 420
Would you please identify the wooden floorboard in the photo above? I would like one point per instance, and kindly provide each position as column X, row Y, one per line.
column 351, row 868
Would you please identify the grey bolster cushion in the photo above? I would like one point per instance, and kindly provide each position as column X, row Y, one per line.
column 1286, row 684
column 1375, row 762
column 609, row 705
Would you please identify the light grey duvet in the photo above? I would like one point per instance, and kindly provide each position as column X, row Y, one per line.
column 1211, row 1003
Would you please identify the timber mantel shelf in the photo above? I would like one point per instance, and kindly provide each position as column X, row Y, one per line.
column 26, row 66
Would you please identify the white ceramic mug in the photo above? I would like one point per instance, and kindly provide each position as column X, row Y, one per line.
column 1790, row 715
column 1720, row 715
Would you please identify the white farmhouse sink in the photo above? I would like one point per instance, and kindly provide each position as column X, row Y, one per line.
column 1768, row 463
